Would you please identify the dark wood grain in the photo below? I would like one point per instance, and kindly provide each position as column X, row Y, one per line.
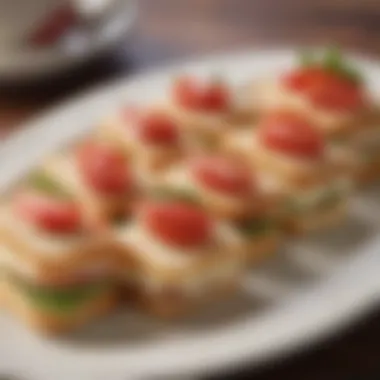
column 170, row 29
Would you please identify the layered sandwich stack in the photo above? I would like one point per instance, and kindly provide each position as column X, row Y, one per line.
column 171, row 203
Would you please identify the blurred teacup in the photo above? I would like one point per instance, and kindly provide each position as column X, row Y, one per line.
column 21, row 20
column 43, row 37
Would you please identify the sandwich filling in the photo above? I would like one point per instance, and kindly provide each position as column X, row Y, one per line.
column 58, row 299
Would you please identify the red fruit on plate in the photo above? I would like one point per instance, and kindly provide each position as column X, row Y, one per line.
column 223, row 174
column 158, row 129
column 104, row 168
column 290, row 134
column 195, row 95
column 48, row 212
column 325, row 89
column 178, row 224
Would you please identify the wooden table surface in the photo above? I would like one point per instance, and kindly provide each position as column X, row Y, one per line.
column 169, row 29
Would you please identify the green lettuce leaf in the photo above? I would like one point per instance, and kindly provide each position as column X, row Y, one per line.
column 42, row 182
column 62, row 300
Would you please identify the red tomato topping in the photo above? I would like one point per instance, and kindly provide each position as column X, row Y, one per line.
column 156, row 128
column 46, row 212
column 178, row 224
column 325, row 89
column 290, row 134
column 104, row 168
column 196, row 95
column 223, row 174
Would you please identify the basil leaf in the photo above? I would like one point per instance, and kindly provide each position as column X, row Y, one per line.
column 44, row 183
column 333, row 59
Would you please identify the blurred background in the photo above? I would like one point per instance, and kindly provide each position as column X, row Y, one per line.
column 53, row 49
column 52, row 42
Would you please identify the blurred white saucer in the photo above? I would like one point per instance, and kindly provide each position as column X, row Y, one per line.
column 81, row 43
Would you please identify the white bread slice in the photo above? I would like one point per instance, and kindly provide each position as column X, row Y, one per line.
column 96, row 207
column 192, row 270
column 201, row 131
column 50, row 256
column 177, row 180
column 242, row 113
column 171, row 303
column 145, row 157
column 311, row 212
column 173, row 282
column 299, row 172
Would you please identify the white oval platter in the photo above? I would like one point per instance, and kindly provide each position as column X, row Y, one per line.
column 316, row 286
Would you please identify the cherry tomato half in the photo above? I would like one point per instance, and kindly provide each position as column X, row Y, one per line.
column 178, row 224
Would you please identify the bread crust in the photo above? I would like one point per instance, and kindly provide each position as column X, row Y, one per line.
column 260, row 248
column 173, row 305
column 47, row 266
column 91, row 253
column 221, row 206
column 200, row 131
column 294, row 173
column 368, row 173
column 226, row 211
column 298, row 172
column 173, row 275
column 174, row 289
column 318, row 220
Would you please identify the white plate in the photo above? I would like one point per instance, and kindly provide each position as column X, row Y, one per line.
column 23, row 63
column 315, row 286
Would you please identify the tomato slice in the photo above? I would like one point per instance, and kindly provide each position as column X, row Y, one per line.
column 290, row 134
column 325, row 89
column 338, row 96
column 195, row 95
column 176, row 223
column 157, row 128
column 104, row 168
column 300, row 79
column 47, row 212
column 223, row 174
